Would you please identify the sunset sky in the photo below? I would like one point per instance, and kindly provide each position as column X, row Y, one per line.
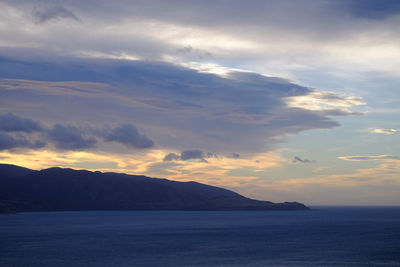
column 277, row 100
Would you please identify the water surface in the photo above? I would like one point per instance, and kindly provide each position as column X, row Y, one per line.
column 326, row 236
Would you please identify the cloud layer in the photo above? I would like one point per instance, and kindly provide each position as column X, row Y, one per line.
column 12, row 123
column 180, row 108
column 270, row 36
column 19, row 132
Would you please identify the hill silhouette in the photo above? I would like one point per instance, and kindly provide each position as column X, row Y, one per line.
column 59, row 189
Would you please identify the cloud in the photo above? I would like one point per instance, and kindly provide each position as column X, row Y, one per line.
column 66, row 136
column 298, row 159
column 12, row 123
column 370, row 186
column 196, row 53
column 189, row 155
column 69, row 137
column 15, row 130
column 325, row 102
column 53, row 13
column 127, row 134
column 362, row 158
column 386, row 131
column 7, row 141
column 372, row 9
column 340, row 112
column 37, row 144
column 171, row 157
column 269, row 36
column 235, row 156
column 192, row 154
column 10, row 142
column 115, row 76
column 240, row 112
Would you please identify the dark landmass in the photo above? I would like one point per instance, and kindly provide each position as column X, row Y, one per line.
column 58, row 189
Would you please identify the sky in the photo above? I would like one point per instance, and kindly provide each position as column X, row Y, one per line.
column 277, row 100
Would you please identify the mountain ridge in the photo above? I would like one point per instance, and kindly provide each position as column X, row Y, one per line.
column 65, row 189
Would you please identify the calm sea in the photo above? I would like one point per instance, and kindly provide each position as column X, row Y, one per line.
column 326, row 236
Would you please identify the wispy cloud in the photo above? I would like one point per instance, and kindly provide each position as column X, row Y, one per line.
column 385, row 131
column 300, row 160
column 325, row 101
column 53, row 13
column 362, row 158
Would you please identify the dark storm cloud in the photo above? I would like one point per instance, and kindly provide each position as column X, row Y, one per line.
column 127, row 134
column 298, row 159
column 68, row 137
column 53, row 13
column 12, row 123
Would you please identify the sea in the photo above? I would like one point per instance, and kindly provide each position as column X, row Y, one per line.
column 324, row 236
